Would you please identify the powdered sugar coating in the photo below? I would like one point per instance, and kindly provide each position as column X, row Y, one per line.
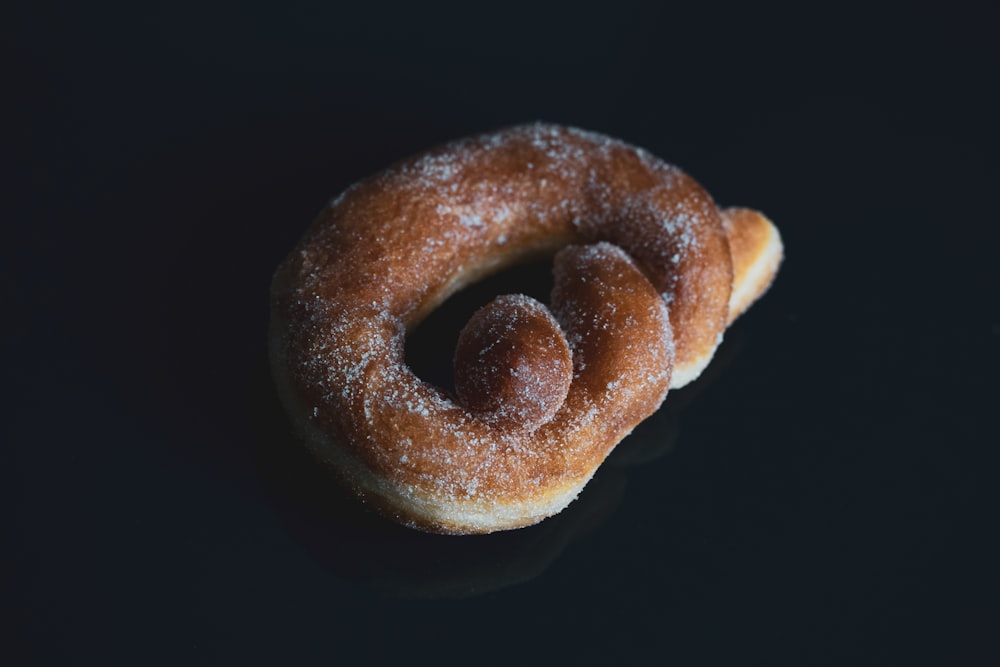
column 391, row 248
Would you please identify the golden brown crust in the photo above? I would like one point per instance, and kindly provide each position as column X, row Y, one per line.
column 757, row 251
column 648, row 293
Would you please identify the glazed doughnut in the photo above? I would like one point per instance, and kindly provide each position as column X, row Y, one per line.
column 648, row 273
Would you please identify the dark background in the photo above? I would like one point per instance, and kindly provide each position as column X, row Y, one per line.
column 825, row 495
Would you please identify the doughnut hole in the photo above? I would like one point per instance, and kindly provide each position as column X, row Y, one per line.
column 513, row 365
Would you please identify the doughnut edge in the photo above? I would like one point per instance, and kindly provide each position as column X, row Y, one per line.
column 409, row 507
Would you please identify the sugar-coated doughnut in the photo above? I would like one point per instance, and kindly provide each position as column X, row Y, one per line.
column 648, row 273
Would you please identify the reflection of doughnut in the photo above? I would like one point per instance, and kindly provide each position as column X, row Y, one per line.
column 543, row 396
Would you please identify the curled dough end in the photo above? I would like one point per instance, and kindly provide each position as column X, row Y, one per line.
column 513, row 365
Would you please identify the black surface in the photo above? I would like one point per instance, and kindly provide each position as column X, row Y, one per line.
column 825, row 495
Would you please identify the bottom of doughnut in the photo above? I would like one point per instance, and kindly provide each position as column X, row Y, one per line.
column 756, row 250
column 409, row 505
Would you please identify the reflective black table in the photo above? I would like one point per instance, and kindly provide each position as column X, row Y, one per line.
column 824, row 495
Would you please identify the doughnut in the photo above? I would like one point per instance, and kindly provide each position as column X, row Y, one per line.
column 648, row 273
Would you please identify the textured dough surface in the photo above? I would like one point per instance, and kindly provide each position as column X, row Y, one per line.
column 644, row 287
